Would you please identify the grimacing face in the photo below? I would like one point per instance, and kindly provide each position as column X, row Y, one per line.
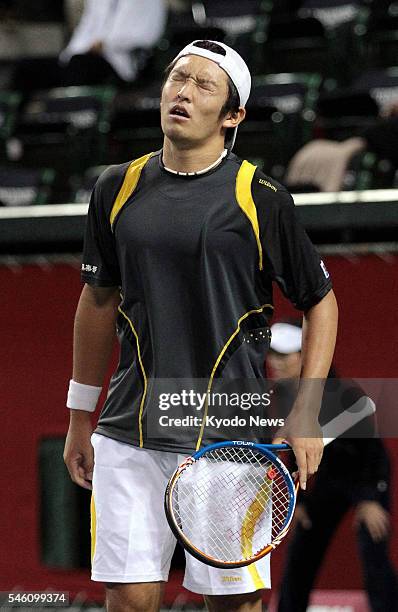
column 192, row 98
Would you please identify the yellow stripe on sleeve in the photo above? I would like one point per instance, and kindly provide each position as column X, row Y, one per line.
column 129, row 184
column 245, row 200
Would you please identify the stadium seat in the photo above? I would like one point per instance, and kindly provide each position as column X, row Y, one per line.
column 280, row 118
column 25, row 186
column 348, row 111
column 331, row 13
column 243, row 22
column 82, row 186
column 67, row 126
column 318, row 37
column 135, row 124
column 294, row 43
column 368, row 171
column 380, row 35
column 9, row 102
column 382, row 86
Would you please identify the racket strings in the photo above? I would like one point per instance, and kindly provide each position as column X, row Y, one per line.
column 231, row 503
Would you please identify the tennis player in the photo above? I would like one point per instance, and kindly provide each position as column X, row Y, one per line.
column 181, row 249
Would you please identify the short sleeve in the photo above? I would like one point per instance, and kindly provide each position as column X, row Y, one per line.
column 100, row 265
column 289, row 256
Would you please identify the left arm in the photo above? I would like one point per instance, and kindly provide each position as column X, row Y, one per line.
column 302, row 430
column 291, row 260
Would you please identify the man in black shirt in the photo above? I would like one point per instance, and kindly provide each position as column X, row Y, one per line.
column 181, row 250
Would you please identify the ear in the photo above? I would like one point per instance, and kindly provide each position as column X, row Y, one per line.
column 231, row 120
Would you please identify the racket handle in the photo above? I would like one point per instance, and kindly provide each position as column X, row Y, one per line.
column 279, row 447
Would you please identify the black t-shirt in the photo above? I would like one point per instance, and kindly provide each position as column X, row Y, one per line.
column 195, row 258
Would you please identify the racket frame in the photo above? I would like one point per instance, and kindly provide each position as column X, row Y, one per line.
column 268, row 450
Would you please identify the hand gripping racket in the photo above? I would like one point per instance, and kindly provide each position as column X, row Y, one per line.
column 232, row 503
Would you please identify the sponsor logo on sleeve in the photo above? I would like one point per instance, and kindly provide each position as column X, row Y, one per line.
column 89, row 268
column 267, row 184
column 324, row 269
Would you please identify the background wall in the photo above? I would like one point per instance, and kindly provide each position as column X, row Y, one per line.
column 38, row 305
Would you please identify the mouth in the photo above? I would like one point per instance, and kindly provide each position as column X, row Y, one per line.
column 179, row 112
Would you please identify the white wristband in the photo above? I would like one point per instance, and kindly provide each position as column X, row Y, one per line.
column 82, row 397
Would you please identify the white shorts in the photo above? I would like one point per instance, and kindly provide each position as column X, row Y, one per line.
column 131, row 539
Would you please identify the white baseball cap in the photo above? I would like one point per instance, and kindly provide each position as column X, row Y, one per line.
column 286, row 338
column 231, row 62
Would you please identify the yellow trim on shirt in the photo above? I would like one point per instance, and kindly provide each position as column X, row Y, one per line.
column 143, row 375
column 245, row 200
column 131, row 179
column 220, row 356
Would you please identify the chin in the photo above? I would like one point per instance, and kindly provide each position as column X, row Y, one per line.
column 177, row 137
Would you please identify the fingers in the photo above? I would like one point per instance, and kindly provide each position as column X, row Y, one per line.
column 80, row 474
column 85, row 478
column 373, row 529
column 301, row 460
column 306, row 523
column 79, row 456
column 308, row 453
column 378, row 526
column 302, row 518
column 314, row 456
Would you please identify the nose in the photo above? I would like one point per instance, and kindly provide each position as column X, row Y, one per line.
column 185, row 91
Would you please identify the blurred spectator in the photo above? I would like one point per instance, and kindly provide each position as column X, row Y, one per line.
column 354, row 473
column 106, row 37
column 73, row 12
column 109, row 45
column 323, row 164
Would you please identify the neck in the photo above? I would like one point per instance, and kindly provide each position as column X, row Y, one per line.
column 189, row 160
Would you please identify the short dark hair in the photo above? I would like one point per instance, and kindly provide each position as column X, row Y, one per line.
column 232, row 103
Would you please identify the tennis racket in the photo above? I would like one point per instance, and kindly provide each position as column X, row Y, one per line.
column 232, row 503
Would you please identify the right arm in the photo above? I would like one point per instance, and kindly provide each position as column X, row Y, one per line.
column 94, row 336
